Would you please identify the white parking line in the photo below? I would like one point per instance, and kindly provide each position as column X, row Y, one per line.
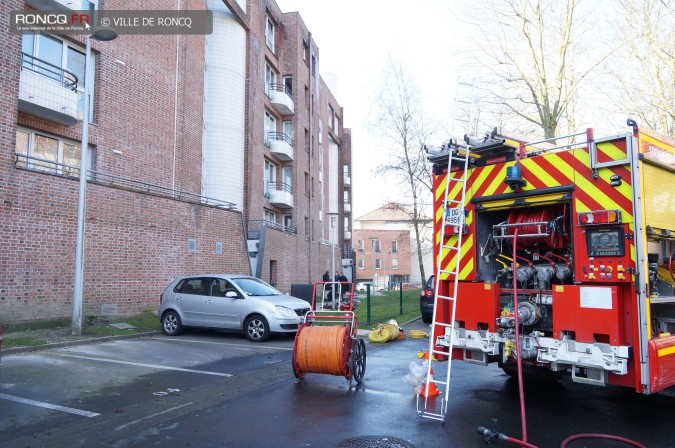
column 138, row 364
column 54, row 407
column 126, row 425
column 246, row 347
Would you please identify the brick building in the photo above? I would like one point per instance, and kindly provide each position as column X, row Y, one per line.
column 386, row 250
column 217, row 153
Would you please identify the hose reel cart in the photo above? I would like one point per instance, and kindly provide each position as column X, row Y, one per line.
column 327, row 342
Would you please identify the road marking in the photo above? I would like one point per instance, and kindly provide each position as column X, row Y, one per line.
column 138, row 364
column 54, row 407
column 126, row 425
column 247, row 347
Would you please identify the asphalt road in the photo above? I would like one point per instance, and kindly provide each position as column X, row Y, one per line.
column 212, row 389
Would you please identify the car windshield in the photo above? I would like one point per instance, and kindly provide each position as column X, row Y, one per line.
column 430, row 283
column 255, row 287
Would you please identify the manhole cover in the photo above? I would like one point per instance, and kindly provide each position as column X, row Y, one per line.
column 375, row 442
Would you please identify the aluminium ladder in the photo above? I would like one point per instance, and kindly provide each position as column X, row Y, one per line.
column 424, row 403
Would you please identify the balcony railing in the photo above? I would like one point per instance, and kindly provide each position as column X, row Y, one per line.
column 282, row 99
column 280, row 194
column 281, row 145
column 52, row 167
column 47, row 91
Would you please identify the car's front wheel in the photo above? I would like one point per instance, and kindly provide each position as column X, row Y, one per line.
column 171, row 324
column 257, row 329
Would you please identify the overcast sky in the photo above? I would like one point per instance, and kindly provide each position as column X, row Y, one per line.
column 355, row 39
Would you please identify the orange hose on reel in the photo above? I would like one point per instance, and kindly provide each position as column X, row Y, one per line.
column 322, row 350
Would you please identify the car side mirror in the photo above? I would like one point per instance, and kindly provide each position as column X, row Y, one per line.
column 231, row 294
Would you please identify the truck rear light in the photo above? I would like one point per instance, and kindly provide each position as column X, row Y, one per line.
column 599, row 217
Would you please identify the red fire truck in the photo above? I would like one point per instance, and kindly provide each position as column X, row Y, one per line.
column 563, row 247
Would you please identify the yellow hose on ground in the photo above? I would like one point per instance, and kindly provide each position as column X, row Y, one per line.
column 417, row 334
column 384, row 333
column 379, row 335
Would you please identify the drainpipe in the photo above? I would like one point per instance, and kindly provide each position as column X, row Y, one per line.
column 311, row 152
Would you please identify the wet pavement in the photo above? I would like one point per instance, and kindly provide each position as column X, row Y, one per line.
column 222, row 391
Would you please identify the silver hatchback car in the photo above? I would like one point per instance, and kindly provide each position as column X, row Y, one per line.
column 232, row 302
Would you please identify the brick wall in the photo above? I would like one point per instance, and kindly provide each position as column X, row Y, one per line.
column 148, row 121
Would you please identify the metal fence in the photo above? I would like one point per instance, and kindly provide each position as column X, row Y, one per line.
column 379, row 306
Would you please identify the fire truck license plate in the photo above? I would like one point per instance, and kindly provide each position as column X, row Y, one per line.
column 455, row 216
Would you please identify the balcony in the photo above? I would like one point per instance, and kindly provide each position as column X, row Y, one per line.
column 348, row 236
column 347, row 207
column 280, row 194
column 281, row 146
column 47, row 91
column 282, row 99
column 55, row 5
column 346, row 180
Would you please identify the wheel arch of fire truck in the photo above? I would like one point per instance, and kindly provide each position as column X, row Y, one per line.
column 579, row 235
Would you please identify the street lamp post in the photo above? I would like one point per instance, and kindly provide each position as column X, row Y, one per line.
column 78, row 286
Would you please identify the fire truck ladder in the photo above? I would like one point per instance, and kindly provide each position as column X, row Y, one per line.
column 453, row 216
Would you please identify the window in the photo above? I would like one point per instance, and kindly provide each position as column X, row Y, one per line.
column 378, row 263
column 219, row 287
column 270, row 216
column 43, row 50
column 55, row 155
column 361, row 264
column 269, row 34
column 287, row 221
column 307, row 228
column 376, row 245
column 287, row 175
column 360, row 246
column 313, row 65
column 270, row 79
column 331, row 117
column 394, row 263
column 194, row 286
column 270, row 126
column 306, row 140
column 312, row 230
column 288, row 129
column 345, row 170
column 306, row 97
column 288, row 84
column 270, row 176
column 307, row 187
column 312, row 185
column 305, row 51
column 394, row 247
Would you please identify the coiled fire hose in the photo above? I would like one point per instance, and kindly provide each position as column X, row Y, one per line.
column 384, row 333
column 323, row 350
column 417, row 334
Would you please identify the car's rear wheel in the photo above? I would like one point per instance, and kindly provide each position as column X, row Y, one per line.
column 171, row 323
column 257, row 329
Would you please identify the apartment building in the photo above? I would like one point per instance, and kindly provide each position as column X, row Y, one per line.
column 386, row 249
column 206, row 153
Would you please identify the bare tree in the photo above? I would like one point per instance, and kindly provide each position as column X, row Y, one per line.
column 401, row 124
column 533, row 63
column 647, row 81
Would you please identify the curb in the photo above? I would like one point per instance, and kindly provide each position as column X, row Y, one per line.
column 94, row 340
